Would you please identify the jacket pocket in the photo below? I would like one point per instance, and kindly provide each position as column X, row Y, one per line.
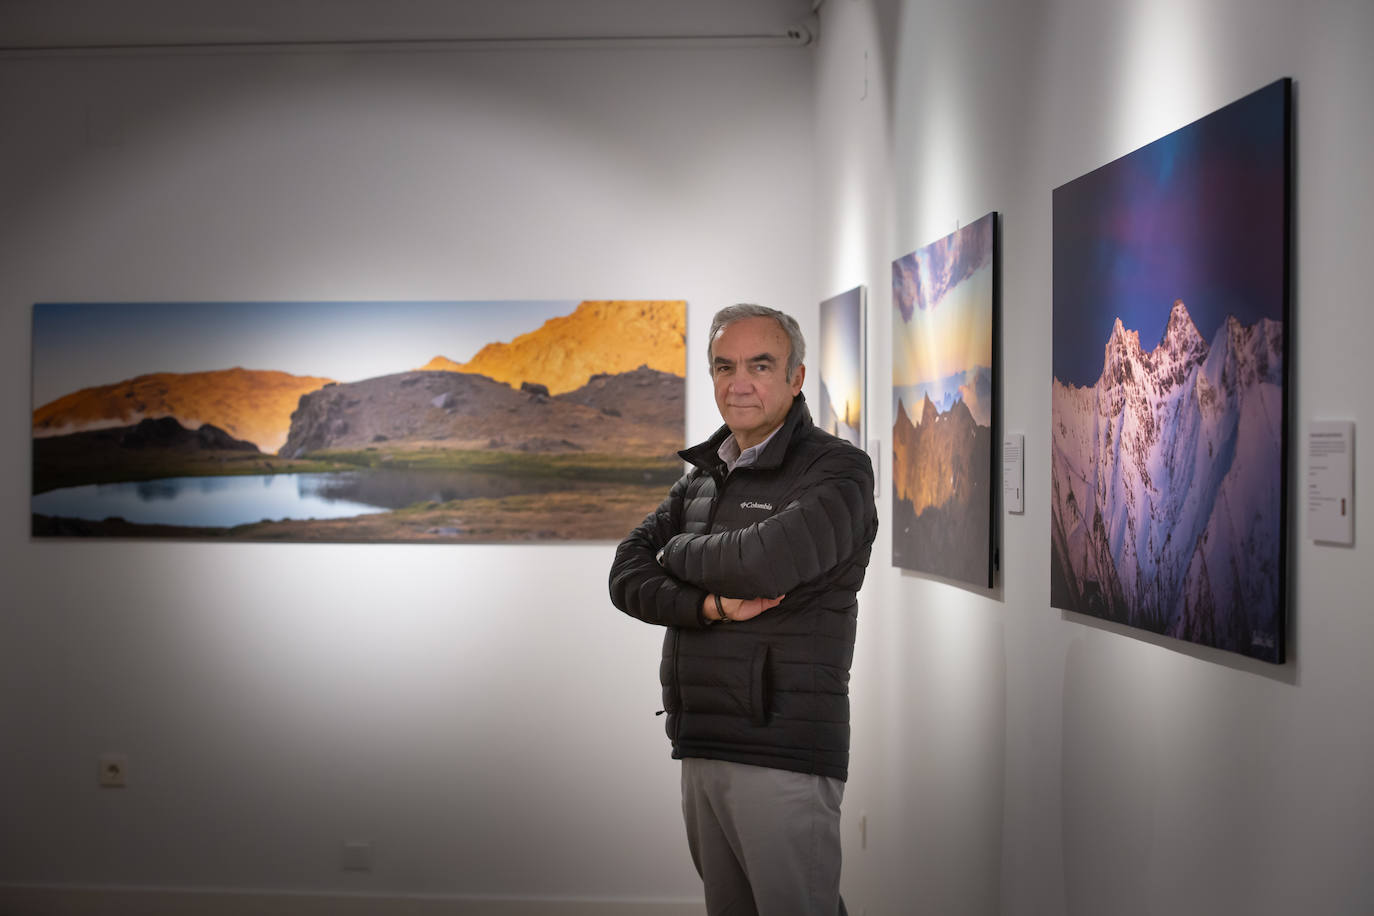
column 668, row 677
column 758, row 686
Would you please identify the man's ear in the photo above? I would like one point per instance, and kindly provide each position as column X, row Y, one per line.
column 797, row 378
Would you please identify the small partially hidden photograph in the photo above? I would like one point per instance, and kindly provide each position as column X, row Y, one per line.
column 495, row 421
column 842, row 366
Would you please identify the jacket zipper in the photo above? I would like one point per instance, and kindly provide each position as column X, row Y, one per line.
column 677, row 690
column 720, row 495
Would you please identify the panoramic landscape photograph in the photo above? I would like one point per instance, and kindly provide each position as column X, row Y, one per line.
column 356, row 421
column 943, row 297
column 1168, row 401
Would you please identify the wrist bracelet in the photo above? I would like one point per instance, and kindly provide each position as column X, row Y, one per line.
column 720, row 609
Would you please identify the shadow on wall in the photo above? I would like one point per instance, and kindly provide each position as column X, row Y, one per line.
column 937, row 802
column 1109, row 789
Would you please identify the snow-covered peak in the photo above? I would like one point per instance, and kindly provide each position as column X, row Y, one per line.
column 1180, row 349
column 1181, row 335
column 1121, row 358
column 1242, row 356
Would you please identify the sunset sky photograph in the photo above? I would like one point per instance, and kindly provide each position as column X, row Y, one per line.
column 841, row 355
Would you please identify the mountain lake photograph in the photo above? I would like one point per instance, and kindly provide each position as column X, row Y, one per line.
column 500, row 421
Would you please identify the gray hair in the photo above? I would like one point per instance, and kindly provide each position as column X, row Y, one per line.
column 732, row 313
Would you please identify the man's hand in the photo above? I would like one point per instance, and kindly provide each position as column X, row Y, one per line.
column 738, row 609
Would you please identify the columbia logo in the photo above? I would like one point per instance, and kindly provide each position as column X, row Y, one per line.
column 748, row 505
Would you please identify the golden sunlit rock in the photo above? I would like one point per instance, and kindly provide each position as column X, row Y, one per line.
column 250, row 404
column 599, row 337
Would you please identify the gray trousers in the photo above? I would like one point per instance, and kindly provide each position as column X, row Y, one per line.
column 766, row 842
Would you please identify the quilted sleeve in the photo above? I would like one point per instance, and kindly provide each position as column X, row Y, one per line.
column 833, row 517
column 640, row 586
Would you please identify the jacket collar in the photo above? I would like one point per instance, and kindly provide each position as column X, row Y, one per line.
column 797, row 423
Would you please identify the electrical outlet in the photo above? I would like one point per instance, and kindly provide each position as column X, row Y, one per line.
column 114, row 770
column 357, row 855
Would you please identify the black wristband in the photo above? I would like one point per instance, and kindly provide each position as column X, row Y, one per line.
column 720, row 609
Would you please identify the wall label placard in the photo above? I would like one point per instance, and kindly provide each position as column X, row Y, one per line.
column 1331, row 481
column 1014, row 472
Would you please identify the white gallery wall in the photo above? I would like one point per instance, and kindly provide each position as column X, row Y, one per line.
column 480, row 714
column 1009, row 757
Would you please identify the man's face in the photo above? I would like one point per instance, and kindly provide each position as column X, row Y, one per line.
column 749, row 367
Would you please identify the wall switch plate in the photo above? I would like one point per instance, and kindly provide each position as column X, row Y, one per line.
column 114, row 770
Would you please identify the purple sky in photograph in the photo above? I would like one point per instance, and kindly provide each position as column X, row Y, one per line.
column 1197, row 215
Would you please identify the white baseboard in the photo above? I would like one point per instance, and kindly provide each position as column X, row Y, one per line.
column 36, row 900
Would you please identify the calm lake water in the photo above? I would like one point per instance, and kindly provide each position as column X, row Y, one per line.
column 221, row 502
column 205, row 501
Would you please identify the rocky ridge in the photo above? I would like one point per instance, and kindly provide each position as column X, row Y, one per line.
column 249, row 404
column 639, row 412
column 599, row 337
column 942, row 493
column 933, row 462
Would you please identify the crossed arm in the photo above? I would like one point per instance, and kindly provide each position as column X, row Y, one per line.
column 640, row 586
column 670, row 578
column 808, row 537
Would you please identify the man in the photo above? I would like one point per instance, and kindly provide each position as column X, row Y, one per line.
column 753, row 563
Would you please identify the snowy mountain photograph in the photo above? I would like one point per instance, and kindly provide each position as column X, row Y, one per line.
column 943, row 296
column 1168, row 398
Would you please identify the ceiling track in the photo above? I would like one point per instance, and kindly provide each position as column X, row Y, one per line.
column 796, row 37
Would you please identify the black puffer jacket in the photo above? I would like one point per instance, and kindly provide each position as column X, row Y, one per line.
column 772, row 691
